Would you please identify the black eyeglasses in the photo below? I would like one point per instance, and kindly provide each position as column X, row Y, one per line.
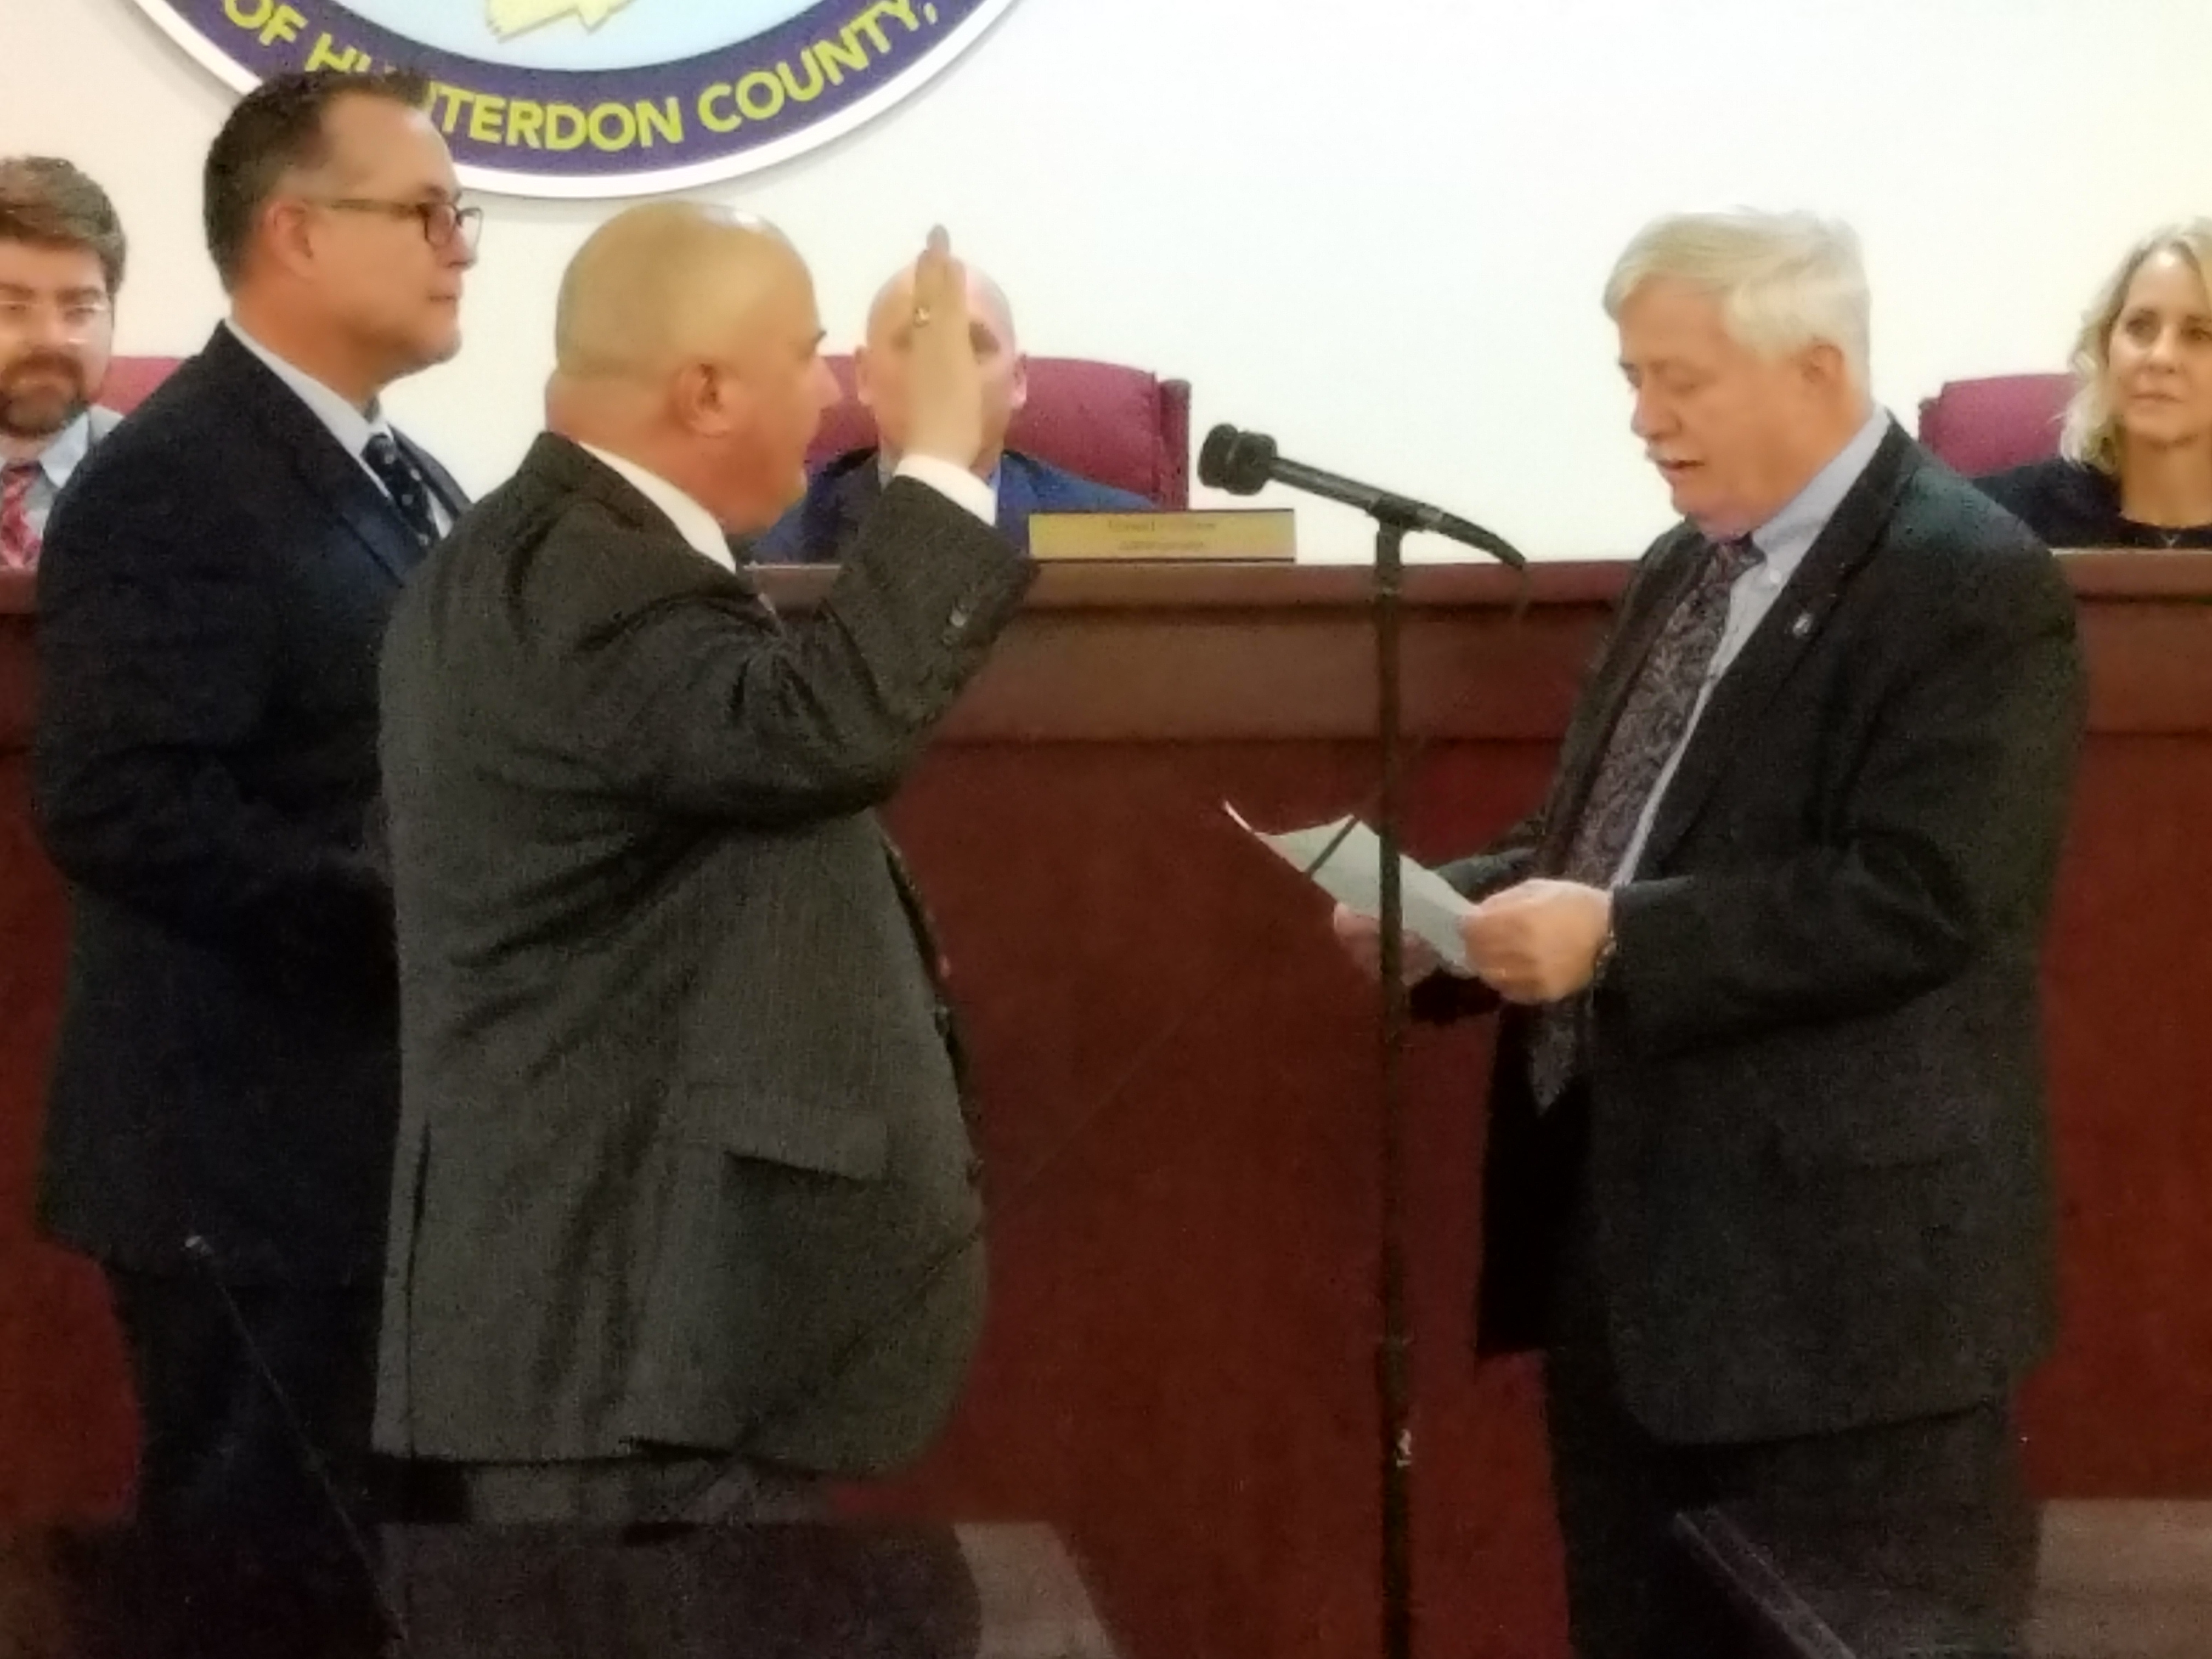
column 441, row 222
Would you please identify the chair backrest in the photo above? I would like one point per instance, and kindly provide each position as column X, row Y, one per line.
column 1113, row 425
column 1987, row 425
column 130, row 378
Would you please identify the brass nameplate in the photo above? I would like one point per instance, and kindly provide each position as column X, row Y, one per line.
column 1246, row 533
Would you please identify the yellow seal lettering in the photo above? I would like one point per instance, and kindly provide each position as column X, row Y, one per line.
column 484, row 123
column 564, row 127
column 457, row 99
column 813, row 90
column 327, row 53
column 661, row 120
column 836, row 57
column 612, row 127
column 710, row 115
column 867, row 21
column 248, row 13
column 760, row 95
column 526, row 117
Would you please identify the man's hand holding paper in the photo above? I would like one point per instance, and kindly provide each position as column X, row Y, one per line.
column 1539, row 940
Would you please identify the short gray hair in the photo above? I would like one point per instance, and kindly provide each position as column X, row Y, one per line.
column 1784, row 280
column 2092, row 435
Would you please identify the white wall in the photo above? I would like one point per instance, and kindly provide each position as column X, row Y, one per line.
column 1381, row 240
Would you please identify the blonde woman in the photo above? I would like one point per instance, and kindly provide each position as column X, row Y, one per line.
column 2135, row 462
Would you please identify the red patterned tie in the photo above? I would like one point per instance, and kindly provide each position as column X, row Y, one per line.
column 19, row 538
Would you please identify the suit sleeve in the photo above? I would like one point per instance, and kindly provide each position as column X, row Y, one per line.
column 1956, row 819
column 157, row 637
column 706, row 708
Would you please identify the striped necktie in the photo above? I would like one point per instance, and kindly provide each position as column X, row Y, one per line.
column 19, row 537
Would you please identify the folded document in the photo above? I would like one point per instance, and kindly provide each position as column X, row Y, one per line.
column 1344, row 860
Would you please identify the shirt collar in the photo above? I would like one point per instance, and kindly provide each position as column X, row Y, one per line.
column 1784, row 539
column 65, row 449
column 692, row 521
column 349, row 426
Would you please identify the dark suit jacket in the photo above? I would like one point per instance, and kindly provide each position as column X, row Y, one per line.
column 822, row 528
column 1817, row 1147
column 215, row 584
column 682, row 1157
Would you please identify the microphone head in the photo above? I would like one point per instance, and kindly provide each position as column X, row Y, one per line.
column 1238, row 462
column 1213, row 455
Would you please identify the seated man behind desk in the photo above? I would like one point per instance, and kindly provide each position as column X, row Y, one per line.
column 821, row 528
column 61, row 262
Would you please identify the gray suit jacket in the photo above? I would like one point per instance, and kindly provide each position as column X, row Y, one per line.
column 683, row 1159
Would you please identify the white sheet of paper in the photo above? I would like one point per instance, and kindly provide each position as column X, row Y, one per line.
column 1353, row 876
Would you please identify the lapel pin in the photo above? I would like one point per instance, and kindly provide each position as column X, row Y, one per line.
column 1801, row 626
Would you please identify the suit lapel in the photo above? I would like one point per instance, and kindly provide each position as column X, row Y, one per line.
column 332, row 476
column 1771, row 656
column 1617, row 676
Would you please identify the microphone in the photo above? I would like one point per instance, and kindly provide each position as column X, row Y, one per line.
column 1242, row 462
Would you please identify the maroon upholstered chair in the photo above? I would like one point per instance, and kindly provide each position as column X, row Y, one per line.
column 129, row 379
column 1112, row 425
column 1984, row 426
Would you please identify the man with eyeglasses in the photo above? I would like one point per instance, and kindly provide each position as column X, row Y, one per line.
column 213, row 597
column 61, row 262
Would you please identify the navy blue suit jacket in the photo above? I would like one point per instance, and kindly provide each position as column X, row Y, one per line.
column 838, row 497
column 212, row 599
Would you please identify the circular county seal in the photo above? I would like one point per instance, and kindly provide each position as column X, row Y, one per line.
column 604, row 97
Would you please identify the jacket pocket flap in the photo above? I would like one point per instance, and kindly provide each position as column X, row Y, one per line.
column 1872, row 1142
column 799, row 1134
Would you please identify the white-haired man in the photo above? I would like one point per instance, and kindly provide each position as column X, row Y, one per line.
column 1767, row 1177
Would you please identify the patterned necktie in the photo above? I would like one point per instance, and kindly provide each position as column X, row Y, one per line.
column 1651, row 724
column 19, row 538
column 404, row 483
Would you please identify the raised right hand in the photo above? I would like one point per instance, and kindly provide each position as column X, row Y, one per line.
column 944, row 386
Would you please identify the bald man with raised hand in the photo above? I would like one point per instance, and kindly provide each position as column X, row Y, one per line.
column 824, row 525
column 684, row 1212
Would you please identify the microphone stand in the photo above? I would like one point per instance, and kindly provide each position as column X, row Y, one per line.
column 1243, row 463
column 1394, row 1350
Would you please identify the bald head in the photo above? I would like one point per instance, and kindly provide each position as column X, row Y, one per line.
column 892, row 313
column 659, row 285
column 880, row 364
column 685, row 339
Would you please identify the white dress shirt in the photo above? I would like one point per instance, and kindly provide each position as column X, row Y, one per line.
column 699, row 527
